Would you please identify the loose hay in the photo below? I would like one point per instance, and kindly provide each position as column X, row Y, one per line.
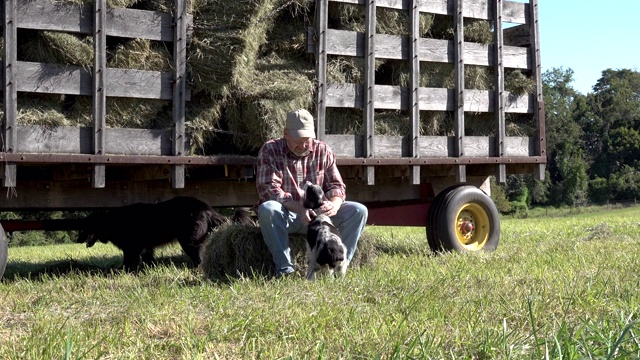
column 234, row 250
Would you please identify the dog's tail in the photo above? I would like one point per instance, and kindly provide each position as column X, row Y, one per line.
column 214, row 219
column 243, row 216
column 90, row 239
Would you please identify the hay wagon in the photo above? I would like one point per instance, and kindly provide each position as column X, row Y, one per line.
column 420, row 79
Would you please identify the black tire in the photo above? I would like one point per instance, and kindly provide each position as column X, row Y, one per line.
column 466, row 220
column 4, row 248
column 433, row 221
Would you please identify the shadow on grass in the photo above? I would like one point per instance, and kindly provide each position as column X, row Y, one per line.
column 106, row 266
column 100, row 266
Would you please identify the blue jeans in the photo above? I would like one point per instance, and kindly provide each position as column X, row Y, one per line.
column 276, row 223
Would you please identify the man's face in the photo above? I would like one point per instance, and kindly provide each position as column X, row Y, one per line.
column 298, row 146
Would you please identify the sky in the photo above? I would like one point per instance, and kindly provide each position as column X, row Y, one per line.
column 589, row 36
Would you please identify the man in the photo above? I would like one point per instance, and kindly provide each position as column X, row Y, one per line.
column 284, row 165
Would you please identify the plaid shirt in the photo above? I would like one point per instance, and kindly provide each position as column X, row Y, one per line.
column 281, row 173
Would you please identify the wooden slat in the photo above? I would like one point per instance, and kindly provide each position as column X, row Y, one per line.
column 9, row 129
column 321, row 67
column 179, row 86
column 460, row 91
column 78, row 140
column 501, row 169
column 414, row 116
column 515, row 12
column 68, row 17
column 432, row 99
column 75, row 80
column 538, row 117
column 343, row 42
column 98, row 177
column 369, row 85
column 432, row 146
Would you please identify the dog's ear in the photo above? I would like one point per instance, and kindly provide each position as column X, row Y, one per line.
column 305, row 186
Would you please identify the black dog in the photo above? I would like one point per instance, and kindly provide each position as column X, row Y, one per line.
column 139, row 228
column 325, row 249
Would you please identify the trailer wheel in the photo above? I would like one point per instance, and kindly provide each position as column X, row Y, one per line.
column 433, row 220
column 4, row 245
column 464, row 218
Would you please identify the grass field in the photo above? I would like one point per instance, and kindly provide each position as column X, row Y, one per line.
column 562, row 287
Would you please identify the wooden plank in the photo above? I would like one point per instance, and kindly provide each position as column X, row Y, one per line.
column 539, row 119
column 514, row 11
column 459, row 94
column 10, row 106
column 53, row 195
column 61, row 195
column 179, row 87
column 348, row 43
column 414, row 116
column 432, row 146
column 498, row 66
column 519, row 146
column 346, row 145
column 68, row 17
column 98, row 176
column 75, row 80
column 369, row 86
column 10, row 175
column 393, row 146
column 321, row 67
column 77, row 140
column 437, row 146
column 432, row 99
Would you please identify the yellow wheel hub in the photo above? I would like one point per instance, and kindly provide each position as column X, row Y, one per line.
column 472, row 227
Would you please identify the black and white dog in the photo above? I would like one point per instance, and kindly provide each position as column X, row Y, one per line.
column 137, row 229
column 325, row 249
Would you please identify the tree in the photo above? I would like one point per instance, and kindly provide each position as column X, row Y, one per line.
column 613, row 121
column 610, row 122
column 567, row 168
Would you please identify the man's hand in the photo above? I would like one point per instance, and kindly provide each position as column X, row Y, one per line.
column 330, row 208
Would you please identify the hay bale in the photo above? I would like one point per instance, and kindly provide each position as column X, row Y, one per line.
column 348, row 70
column 387, row 122
column 124, row 113
column 437, row 123
column 57, row 48
column 226, row 43
column 110, row 3
column 202, row 121
column 235, row 250
column 344, row 121
column 518, row 83
column 288, row 39
column 41, row 109
column 345, row 16
column 258, row 111
column 141, row 54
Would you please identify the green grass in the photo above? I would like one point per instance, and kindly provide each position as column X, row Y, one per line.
column 556, row 288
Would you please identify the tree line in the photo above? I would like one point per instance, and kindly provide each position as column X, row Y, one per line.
column 593, row 144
